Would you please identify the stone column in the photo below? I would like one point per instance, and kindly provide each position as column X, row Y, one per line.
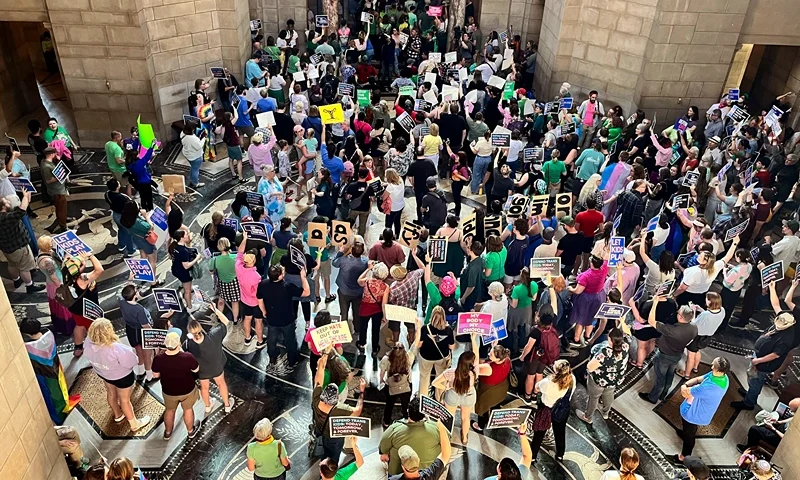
column 30, row 445
column 19, row 94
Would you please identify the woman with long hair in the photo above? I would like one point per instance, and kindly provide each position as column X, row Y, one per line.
column 456, row 248
column 207, row 349
column 587, row 296
column 494, row 260
column 589, row 190
column 139, row 227
column 698, row 279
column 351, row 262
column 226, row 285
column 85, row 287
column 755, row 289
column 396, row 190
column 492, row 388
column 121, row 468
column 184, row 257
column 321, row 319
column 113, row 362
column 216, row 230
column 240, row 209
column 554, row 387
column 520, row 309
column 267, row 457
column 394, row 373
column 606, row 370
column 657, row 273
column 436, row 345
column 60, row 316
column 657, row 194
column 461, row 176
column 400, row 156
column 733, row 279
column 628, row 463
column 458, row 384
column 324, row 196
column 388, row 252
column 226, row 122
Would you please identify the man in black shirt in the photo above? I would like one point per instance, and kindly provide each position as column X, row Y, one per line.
column 358, row 194
column 434, row 207
column 38, row 144
column 279, row 312
column 419, row 171
column 570, row 246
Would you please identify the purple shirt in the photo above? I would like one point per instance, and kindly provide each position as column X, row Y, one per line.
column 112, row 362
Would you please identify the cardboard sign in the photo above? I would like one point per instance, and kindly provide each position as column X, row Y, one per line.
column 61, row 172
column 405, row 121
column 435, row 57
column 174, row 183
column 508, row 91
column 255, row 199
column 543, row 266
column 748, row 177
column 69, row 243
column 612, row 311
column 538, row 205
column 434, row 11
column 350, row 427
column 335, row 333
column 346, row 90
column 508, row 417
column 141, row 269
column 430, row 97
column 266, row 119
column 549, row 108
column 22, row 184
column 563, row 204
column 153, row 338
column 664, row 288
column 617, row 247
column 733, row 232
column 565, row 103
column 773, row 117
column 492, row 225
column 496, row 82
column 297, row 256
column 397, row 313
column 255, row 25
column 362, row 97
column 409, row 234
column 321, row 21
column 499, row 332
column 167, row 299
column 231, row 222
column 469, row 226
column 316, row 234
column 517, row 206
column 738, row 114
column 733, row 94
column 451, row 57
column 256, row 231
column 218, row 72
column 91, row 310
column 723, row 171
column 299, row 76
column 772, row 273
column 366, row 17
column 680, row 201
column 528, row 108
column 463, row 74
column 501, row 140
column 437, row 249
column 341, row 233
column 691, row 178
column 403, row 39
column 474, row 322
column 449, row 93
column 436, row 411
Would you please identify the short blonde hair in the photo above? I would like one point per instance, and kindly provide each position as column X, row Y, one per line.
column 101, row 332
column 45, row 243
column 434, row 129
column 263, row 429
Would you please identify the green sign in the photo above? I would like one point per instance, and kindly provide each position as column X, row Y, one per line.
column 508, row 91
column 363, row 98
column 408, row 90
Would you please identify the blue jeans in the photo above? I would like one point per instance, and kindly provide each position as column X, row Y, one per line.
column 664, row 367
column 478, row 171
column 124, row 239
column 194, row 173
column 754, row 386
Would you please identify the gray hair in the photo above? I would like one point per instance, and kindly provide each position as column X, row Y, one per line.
column 263, row 429
column 267, row 168
column 686, row 313
column 641, row 127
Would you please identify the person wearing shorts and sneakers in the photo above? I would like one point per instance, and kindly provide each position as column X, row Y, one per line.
column 14, row 244
column 249, row 278
column 177, row 369
column 115, row 156
column 707, row 322
column 136, row 318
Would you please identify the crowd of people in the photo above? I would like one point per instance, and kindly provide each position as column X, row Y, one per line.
column 437, row 118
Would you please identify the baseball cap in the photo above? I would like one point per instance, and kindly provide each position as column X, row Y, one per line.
column 697, row 468
column 567, row 220
column 548, row 234
column 792, row 225
column 629, row 256
column 430, row 182
column 408, row 458
column 172, row 341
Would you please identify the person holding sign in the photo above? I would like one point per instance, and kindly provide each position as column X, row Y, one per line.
column 184, row 258
column 557, row 390
column 249, row 278
column 56, row 189
column 136, row 319
column 707, row 323
column 60, row 316
column 85, row 286
column 606, row 371
column 394, row 372
column 373, row 283
column 15, row 243
column 114, row 362
column 698, row 279
column 207, row 349
column 141, row 231
column 587, row 296
column 492, row 388
column 458, row 384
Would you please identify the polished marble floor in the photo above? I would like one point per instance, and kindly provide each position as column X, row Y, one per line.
column 283, row 394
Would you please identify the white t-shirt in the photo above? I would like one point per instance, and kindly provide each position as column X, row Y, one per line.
column 498, row 308
column 550, row 391
column 654, row 275
column 708, row 322
column 397, row 194
column 698, row 280
column 660, row 235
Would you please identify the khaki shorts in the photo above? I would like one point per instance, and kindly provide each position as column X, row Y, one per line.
column 123, row 181
column 325, row 267
column 186, row 401
column 21, row 259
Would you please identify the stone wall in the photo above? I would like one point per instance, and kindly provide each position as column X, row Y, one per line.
column 524, row 15
column 778, row 73
column 274, row 13
column 19, row 94
column 30, row 446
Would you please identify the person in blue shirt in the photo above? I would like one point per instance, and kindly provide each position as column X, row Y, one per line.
column 334, row 164
column 243, row 122
column 266, row 104
column 702, row 396
column 253, row 70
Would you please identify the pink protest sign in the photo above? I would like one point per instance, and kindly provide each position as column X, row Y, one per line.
column 474, row 322
column 435, row 11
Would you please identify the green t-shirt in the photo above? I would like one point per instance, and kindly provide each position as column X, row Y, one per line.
column 553, row 170
column 721, row 382
column 225, row 266
column 346, row 472
column 412, row 19
column 326, row 254
column 113, row 152
column 520, row 293
column 59, row 134
column 140, row 227
column 496, row 261
column 294, row 64
column 53, row 188
column 265, row 455
column 435, row 297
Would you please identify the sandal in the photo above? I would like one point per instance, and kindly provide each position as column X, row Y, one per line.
column 476, row 427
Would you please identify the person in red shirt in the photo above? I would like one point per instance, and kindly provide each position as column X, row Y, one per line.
column 587, row 222
column 762, row 174
column 365, row 71
column 492, row 389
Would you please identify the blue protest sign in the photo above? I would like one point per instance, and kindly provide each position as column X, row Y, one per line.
column 617, row 250
column 231, row 222
column 652, row 224
column 61, row 172
column 617, row 221
column 159, row 218
column 733, row 94
column 565, row 103
column 612, row 311
column 498, row 332
column 723, row 171
column 639, row 293
column 754, row 254
column 680, row 125
column 69, row 243
column 22, row 184
column 141, row 269
column 166, row 299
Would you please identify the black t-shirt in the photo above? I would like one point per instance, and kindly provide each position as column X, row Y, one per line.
column 432, row 338
column 571, row 245
column 116, row 201
column 437, row 209
column 223, row 231
column 641, row 144
column 38, row 144
column 277, row 298
column 356, row 190
column 284, row 126
column 175, row 372
column 536, row 334
column 420, row 170
column 502, row 185
column 292, row 269
column 452, row 127
column 515, row 257
column 777, row 342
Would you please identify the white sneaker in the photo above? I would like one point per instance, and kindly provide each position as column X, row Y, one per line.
column 148, row 375
column 210, row 407
column 229, row 407
column 140, row 423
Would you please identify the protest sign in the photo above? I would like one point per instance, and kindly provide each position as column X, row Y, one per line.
column 430, row 97
column 474, row 322
column 22, row 184
column 639, row 292
column 255, row 25
column 563, row 204
column 317, row 232
column 680, row 125
column 503, row 36
column 652, row 224
column 430, row 77
column 508, row 417
column 266, row 119
column 436, row 411
column 773, row 117
column 738, row 114
column 69, row 243
column 567, row 128
column 91, row 310
column 346, row 89
column 496, row 82
column 409, row 234
column 469, row 226
column 297, row 256
column 166, row 299
column 508, row 91
column 434, row 11
column 321, row 21
column 733, row 94
column 174, row 183
column 366, row 17
column 256, row 231
column 437, row 249
column 449, row 93
column 332, row 114
column 153, row 338
column 565, row 103
column 538, row 204
column 675, row 158
column 362, row 97
column 690, row 180
column 405, row 121
column 534, row 155
column 141, row 269
column 517, row 206
column 754, row 254
column 231, row 222
column 680, row 201
column 158, row 217
column 664, row 288
column 492, row 225
column 501, row 140
column 218, row 72
column 772, row 273
column 450, row 57
column 255, row 199
column 403, row 38
column 616, row 223
column 335, row 333
column 299, row 76
column 407, row 91
column 350, row 427
column 543, row 266
column 435, row 57
column 617, row 250
column 498, row 332
column 397, row 313
column 191, row 119
column 421, row 105
column 733, row 232
column 341, row 233
column 723, row 171
column 612, row 311
column 61, row 172
column 463, row 75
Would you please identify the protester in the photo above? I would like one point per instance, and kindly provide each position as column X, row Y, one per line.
column 176, row 369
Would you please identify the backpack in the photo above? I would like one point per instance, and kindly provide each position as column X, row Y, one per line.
column 451, row 310
column 551, row 347
column 65, row 295
column 560, row 410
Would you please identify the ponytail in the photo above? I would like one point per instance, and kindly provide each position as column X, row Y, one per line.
column 176, row 237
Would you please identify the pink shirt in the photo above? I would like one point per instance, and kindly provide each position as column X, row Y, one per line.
column 588, row 115
column 248, row 281
column 261, row 155
column 593, row 280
